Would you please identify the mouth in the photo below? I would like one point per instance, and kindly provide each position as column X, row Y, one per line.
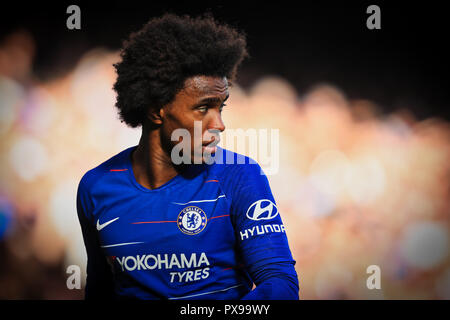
column 210, row 146
column 212, row 143
column 209, row 150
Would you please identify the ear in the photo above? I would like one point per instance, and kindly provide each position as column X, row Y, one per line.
column 156, row 115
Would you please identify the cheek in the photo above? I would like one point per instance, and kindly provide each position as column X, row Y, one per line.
column 171, row 123
column 191, row 129
column 165, row 138
column 179, row 133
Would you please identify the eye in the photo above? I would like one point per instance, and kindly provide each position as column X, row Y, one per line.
column 202, row 109
column 221, row 107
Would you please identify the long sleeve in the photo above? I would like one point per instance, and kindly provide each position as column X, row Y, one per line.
column 276, row 281
column 99, row 281
column 262, row 238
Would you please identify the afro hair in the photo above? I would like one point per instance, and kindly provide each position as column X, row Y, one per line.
column 157, row 60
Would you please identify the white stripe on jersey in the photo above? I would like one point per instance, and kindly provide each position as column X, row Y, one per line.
column 195, row 201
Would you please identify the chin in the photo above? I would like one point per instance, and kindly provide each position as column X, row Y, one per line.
column 203, row 158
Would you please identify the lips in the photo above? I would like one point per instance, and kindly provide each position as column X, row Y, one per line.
column 210, row 146
column 212, row 143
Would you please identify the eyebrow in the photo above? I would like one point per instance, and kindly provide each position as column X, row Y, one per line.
column 213, row 100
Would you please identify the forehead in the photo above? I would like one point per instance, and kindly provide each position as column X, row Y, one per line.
column 199, row 86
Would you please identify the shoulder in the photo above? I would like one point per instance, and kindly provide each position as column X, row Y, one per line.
column 231, row 166
column 94, row 175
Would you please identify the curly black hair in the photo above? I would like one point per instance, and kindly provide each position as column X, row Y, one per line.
column 158, row 59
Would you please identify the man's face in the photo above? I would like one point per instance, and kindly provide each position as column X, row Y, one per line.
column 201, row 102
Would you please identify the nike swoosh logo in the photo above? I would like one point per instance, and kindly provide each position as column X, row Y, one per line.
column 101, row 226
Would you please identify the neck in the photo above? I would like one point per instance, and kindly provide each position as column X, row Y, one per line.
column 152, row 166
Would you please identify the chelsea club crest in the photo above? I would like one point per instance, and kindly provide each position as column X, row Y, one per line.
column 192, row 220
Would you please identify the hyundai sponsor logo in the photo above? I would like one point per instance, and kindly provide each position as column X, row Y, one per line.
column 263, row 209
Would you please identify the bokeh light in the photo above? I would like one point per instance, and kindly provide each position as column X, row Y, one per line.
column 354, row 187
column 425, row 244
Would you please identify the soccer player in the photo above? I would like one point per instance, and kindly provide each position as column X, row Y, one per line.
column 155, row 228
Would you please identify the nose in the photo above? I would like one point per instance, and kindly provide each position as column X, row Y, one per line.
column 216, row 123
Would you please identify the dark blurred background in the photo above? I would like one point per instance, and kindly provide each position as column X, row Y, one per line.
column 362, row 164
column 305, row 42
